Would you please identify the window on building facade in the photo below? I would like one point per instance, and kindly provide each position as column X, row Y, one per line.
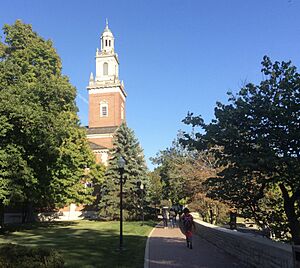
column 109, row 42
column 105, row 42
column 103, row 109
column 105, row 68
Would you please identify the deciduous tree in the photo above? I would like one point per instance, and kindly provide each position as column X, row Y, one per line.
column 155, row 189
column 259, row 134
column 43, row 149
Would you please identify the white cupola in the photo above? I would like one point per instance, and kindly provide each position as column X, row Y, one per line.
column 107, row 63
column 107, row 40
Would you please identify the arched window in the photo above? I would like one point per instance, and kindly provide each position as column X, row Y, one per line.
column 109, row 43
column 104, row 109
column 105, row 68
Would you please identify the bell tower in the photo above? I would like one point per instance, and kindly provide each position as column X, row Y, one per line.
column 107, row 97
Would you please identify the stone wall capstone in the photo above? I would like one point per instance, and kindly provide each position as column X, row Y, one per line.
column 252, row 250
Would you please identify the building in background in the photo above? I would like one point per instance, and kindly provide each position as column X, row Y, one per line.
column 107, row 98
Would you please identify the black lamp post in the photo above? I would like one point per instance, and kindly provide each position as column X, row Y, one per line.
column 210, row 214
column 121, row 164
column 232, row 222
column 141, row 187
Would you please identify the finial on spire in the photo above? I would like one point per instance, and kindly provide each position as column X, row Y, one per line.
column 106, row 23
column 91, row 77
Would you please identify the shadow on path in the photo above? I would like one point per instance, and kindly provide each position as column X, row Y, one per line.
column 167, row 248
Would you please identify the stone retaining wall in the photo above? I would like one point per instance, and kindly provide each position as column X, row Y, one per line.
column 252, row 250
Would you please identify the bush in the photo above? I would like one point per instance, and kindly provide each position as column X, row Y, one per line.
column 15, row 256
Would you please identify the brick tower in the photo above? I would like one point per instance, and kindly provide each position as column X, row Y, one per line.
column 107, row 98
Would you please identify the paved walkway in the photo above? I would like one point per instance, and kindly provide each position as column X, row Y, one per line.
column 167, row 248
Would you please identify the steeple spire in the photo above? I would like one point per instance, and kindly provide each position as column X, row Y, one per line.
column 107, row 40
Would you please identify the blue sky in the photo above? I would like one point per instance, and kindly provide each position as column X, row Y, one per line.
column 175, row 56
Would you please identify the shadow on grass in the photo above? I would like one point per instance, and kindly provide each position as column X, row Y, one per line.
column 17, row 227
column 87, row 244
column 151, row 223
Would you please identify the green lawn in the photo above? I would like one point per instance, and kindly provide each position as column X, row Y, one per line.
column 87, row 243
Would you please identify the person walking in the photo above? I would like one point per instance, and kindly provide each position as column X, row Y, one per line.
column 172, row 217
column 165, row 216
column 176, row 213
column 188, row 226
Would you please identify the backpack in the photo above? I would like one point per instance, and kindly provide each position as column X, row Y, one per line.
column 187, row 222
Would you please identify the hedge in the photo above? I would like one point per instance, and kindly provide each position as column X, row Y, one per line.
column 16, row 256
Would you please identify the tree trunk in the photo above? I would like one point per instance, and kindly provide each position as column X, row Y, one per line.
column 24, row 213
column 30, row 210
column 2, row 216
column 289, row 208
column 27, row 213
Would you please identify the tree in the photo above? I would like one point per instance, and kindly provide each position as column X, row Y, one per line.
column 94, row 179
column 155, row 189
column 183, row 174
column 126, row 145
column 169, row 163
column 257, row 137
column 43, row 149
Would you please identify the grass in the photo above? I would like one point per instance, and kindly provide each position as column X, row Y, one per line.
column 87, row 243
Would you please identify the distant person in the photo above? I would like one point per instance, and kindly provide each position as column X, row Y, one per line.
column 172, row 217
column 188, row 225
column 165, row 217
column 176, row 213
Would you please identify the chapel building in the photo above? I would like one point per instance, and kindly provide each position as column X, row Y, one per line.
column 107, row 98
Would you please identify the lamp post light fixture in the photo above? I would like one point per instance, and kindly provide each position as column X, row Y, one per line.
column 121, row 164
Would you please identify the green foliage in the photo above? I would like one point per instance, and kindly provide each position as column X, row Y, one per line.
column 43, row 150
column 15, row 256
column 95, row 177
column 28, row 56
column 169, row 163
column 155, row 189
column 183, row 173
column 256, row 138
column 126, row 145
column 207, row 208
column 16, row 175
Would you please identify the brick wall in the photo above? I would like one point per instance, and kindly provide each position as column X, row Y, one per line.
column 114, row 101
column 252, row 250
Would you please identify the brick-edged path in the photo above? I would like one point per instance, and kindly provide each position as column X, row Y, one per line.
column 167, row 248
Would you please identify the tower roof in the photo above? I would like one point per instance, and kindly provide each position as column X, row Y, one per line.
column 107, row 31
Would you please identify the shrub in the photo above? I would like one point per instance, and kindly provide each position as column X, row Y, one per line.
column 15, row 256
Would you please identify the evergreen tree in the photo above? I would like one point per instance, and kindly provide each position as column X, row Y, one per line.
column 126, row 145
